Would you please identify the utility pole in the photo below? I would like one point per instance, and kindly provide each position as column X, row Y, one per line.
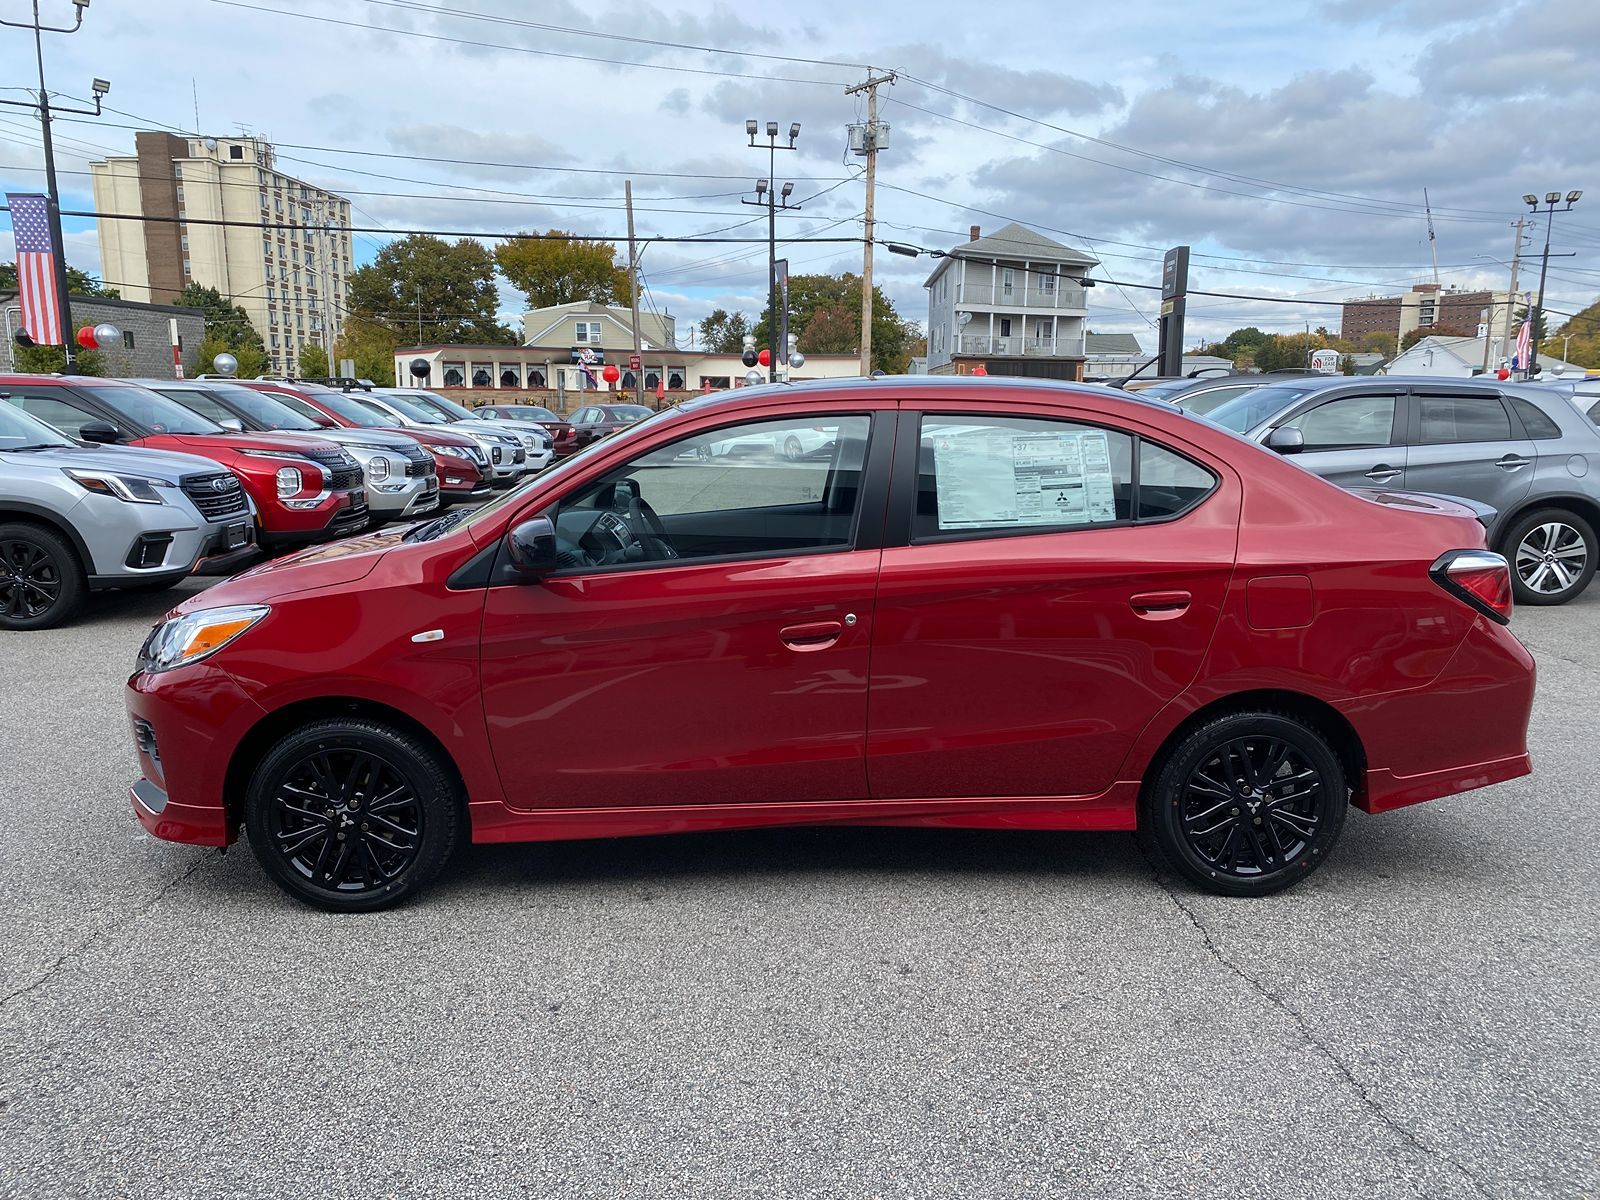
column 633, row 287
column 873, row 136
column 1511, row 296
column 419, row 314
column 1433, row 244
column 771, row 199
column 52, row 189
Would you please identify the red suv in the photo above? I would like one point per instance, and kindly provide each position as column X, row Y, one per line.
column 304, row 489
column 982, row 603
column 463, row 468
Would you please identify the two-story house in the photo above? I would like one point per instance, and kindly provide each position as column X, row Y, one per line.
column 1014, row 301
column 603, row 328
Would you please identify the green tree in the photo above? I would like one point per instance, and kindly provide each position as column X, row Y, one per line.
column 562, row 268
column 723, row 332
column 447, row 287
column 228, row 328
column 1379, row 342
column 1241, row 343
column 1583, row 330
column 252, row 357
column 49, row 360
column 833, row 329
column 313, row 361
column 79, row 283
column 371, row 345
column 1540, row 325
column 808, row 293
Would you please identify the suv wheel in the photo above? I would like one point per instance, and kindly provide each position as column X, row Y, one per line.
column 1245, row 805
column 1553, row 556
column 41, row 579
column 352, row 815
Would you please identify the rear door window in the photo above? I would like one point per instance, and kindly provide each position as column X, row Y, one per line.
column 1444, row 420
column 1535, row 422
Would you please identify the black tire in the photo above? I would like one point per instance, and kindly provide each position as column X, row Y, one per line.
column 321, row 836
column 1251, row 840
column 1543, row 548
column 42, row 582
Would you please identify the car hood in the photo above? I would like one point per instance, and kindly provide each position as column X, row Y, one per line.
column 209, row 443
column 516, row 425
column 130, row 460
column 333, row 565
column 439, row 435
column 510, row 429
column 376, row 438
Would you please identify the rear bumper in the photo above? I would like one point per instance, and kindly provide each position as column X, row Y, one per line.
column 1385, row 790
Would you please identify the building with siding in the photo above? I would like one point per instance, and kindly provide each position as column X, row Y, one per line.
column 145, row 349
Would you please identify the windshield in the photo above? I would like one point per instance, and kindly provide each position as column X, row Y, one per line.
column 629, row 412
column 412, row 409
column 435, row 401
column 357, row 412
column 18, row 429
column 468, row 517
column 270, row 412
column 155, row 412
column 1244, row 413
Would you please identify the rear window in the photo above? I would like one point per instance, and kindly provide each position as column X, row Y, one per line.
column 1534, row 419
column 1452, row 419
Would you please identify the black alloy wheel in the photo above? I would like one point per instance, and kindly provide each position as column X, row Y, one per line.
column 1247, row 804
column 41, row 580
column 352, row 815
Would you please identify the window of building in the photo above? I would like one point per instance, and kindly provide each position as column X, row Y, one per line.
column 536, row 378
column 675, row 381
column 183, row 240
column 1005, row 326
column 264, row 201
column 235, row 151
column 127, row 340
column 180, row 193
column 481, row 377
column 1047, row 282
column 182, row 215
column 510, row 377
column 588, row 331
column 454, row 375
column 177, row 170
column 186, row 266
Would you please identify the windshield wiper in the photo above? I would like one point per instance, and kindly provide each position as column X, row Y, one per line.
column 40, row 446
column 429, row 530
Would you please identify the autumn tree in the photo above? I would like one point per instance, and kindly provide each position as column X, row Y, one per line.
column 371, row 345
column 228, row 330
column 446, row 288
column 561, row 268
column 313, row 361
column 1584, row 331
column 833, row 329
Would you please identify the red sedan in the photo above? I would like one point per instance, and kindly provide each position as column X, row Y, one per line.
column 990, row 603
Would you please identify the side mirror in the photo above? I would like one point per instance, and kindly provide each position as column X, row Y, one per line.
column 531, row 548
column 1285, row 440
column 231, row 424
column 102, row 432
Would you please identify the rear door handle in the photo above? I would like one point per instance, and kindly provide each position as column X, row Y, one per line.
column 1159, row 605
column 1513, row 462
column 818, row 635
column 1382, row 473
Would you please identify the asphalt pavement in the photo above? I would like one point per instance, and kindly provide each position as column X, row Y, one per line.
column 844, row 1012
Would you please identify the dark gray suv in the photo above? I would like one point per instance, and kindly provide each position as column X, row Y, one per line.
column 1524, row 450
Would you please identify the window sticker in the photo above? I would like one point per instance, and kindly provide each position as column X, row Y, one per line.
column 989, row 478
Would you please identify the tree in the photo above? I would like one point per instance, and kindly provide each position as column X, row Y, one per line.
column 810, row 293
column 723, row 332
column 1540, row 332
column 228, row 329
column 1584, row 331
column 447, row 287
column 49, row 360
column 832, row 330
column 562, row 268
column 79, row 283
column 1379, row 342
column 313, row 361
column 1427, row 331
column 1238, row 344
column 371, row 345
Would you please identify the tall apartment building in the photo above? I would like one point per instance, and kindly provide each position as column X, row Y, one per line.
column 1423, row 307
column 285, row 263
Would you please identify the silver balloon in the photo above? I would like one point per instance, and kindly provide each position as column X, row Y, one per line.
column 751, row 378
column 797, row 359
column 226, row 364
column 107, row 334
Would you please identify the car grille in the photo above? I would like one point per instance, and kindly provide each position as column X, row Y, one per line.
column 415, row 469
column 216, row 496
column 519, row 455
column 345, row 478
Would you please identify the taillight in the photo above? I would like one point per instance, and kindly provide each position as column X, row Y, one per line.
column 1480, row 577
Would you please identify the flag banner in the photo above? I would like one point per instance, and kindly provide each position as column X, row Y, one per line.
column 36, row 268
column 1520, row 358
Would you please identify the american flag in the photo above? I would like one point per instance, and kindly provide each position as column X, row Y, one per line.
column 36, row 268
column 1524, row 345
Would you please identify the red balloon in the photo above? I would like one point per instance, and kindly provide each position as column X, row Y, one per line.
column 610, row 374
column 86, row 338
column 1502, row 373
column 765, row 358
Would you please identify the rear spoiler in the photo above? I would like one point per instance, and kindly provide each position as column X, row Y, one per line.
column 1397, row 496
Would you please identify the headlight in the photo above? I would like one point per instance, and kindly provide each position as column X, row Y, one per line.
column 135, row 489
column 378, row 468
column 289, row 481
column 189, row 638
column 453, row 451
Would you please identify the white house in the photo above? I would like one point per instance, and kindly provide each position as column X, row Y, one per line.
column 1462, row 357
column 1014, row 302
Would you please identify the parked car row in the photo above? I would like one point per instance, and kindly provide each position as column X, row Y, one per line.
column 108, row 483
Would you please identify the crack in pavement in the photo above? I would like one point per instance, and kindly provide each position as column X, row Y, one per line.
column 99, row 935
column 1363, row 1094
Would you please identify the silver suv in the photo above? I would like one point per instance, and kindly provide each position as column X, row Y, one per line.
column 1525, row 450
column 76, row 518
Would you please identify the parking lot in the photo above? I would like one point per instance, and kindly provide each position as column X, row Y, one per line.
column 847, row 1012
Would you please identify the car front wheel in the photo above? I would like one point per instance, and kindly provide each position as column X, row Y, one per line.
column 1553, row 556
column 352, row 815
column 41, row 579
column 1246, row 805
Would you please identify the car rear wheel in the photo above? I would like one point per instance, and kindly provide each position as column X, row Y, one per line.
column 792, row 449
column 41, row 580
column 1246, row 805
column 351, row 815
column 1553, row 556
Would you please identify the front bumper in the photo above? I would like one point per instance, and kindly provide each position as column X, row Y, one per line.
column 417, row 497
column 342, row 513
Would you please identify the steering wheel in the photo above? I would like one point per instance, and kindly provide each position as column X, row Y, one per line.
column 649, row 530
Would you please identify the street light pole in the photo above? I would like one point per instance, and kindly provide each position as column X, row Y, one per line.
column 770, row 198
column 52, row 190
column 1551, row 199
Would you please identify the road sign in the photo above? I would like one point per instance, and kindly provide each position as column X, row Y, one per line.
column 633, row 362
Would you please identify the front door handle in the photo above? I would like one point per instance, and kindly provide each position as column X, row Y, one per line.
column 1382, row 473
column 1513, row 462
column 1160, row 606
column 817, row 635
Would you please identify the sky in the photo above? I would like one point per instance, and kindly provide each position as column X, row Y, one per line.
column 1288, row 146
